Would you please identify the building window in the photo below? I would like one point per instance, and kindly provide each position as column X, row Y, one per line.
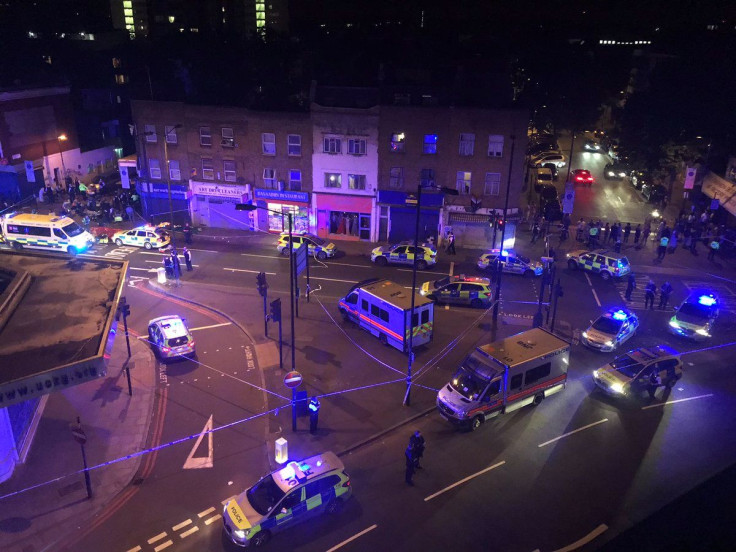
column 463, row 182
column 356, row 147
column 396, row 178
column 495, row 145
column 268, row 143
column 228, row 168
column 356, row 181
column 208, row 168
column 294, row 142
column 269, row 178
column 205, row 136
column 295, row 180
column 333, row 180
column 116, row 63
column 467, row 144
column 228, row 137
column 492, row 184
column 397, row 142
column 170, row 133
column 150, row 132
column 426, row 177
column 154, row 167
column 174, row 170
column 430, row 144
column 331, row 145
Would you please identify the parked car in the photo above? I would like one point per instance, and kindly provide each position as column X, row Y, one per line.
column 459, row 290
column 639, row 178
column 628, row 375
column 552, row 167
column 557, row 158
column 545, row 176
column 547, row 192
column 614, row 152
column 697, row 315
column 170, row 338
column 552, row 210
column 611, row 329
column 600, row 261
column 653, row 193
column 510, row 262
column 536, row 149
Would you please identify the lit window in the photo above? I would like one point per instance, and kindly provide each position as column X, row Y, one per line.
column 171, row 137
column 116, row 63
column 228, row 137
column 430, row 144
column 154, row 168
column 396, row 178
column 356, row 181
column 205, row 136
column 492, row 184
column 331, row 145
column 333, row 180
column 295, row 180
column 463, row 182
column 120, row 79
column 172, row 19
column 397, row 141
column 268, row 143
column 356, row 147
column 495, row 145
column 127, row 4
column 128, row 12
column 174, row 170
column 129, row 21
column 228, row 168
column 269, row 178
column 294, row 142
column 467, row 144
column 150, row 132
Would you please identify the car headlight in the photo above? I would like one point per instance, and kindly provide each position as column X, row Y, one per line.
column 617, row 388
column 611, row 173
column 595, row 373
column 241, row 533
column 609, row 343
column 585, row 335
column 674, row 323
column 702, row 331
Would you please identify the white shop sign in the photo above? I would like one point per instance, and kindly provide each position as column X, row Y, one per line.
column 217, row 190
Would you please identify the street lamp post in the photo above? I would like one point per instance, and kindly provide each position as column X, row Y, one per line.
column 168, row 178
column 59, row 139
column 503, row 234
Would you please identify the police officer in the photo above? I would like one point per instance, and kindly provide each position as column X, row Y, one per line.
column 410, row 465
column 416, row 443
column 169, row 267
column 654, row 382
column 649, row 293
column 450, row 244
column 664, row 295
column 662, row 248
column 175, row 263
column 630, row 285
column 714, row 246
column 187, row 259
column 187, row 234
column 313, row 414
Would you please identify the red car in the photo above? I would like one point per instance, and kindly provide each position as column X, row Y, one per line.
column 582, row 176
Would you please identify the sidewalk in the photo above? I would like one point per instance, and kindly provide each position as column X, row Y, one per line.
column 116, row 426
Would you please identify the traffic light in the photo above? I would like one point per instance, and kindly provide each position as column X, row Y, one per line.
column 276, row 310
column 262, row 284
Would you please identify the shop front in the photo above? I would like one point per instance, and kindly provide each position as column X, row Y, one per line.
column 273, row 202
column 398, row 217
column 344, row 217
column 213, row 205
column 155, row 201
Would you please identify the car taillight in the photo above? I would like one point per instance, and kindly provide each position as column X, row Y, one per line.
column 346, row 484
column 191, row 343
column 487, row 294
column 165, row 349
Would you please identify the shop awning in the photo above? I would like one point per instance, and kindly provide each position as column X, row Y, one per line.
column 721, row 189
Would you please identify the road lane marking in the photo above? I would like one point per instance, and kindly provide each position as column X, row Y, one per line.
column 351, row 539
column 571, row 432
column 452, row 267
column 208, row 511
column 595, row 295
column 433, row 272
column 602, row 528
column 333, row 280
column 204, row 250
column 246, row 270
column 212, row 519
column 489, row 468
column 136, row 549
column 185, row 534
column 182, row 524
column 677, row 401
column 143, row 269
column 192, row 462
column 163, row 545
column 347, row 264
column 284, row 257
column 157, row 538
column 211, row 326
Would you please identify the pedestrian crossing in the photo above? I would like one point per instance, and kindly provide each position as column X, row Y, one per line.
column 728, row 297
column 638, row 295
column 118, row 253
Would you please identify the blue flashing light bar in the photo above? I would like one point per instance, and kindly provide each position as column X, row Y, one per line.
column 619, row 315
column 707, row 300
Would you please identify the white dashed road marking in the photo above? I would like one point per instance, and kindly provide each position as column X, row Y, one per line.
column 211, row 326
column 481, row 472
column 185, row 534
column 602, row 528
column 351, row 539
column 677, row 401
column 212, row 519
column 157, row 538
column 181, row 525
column 572, row 432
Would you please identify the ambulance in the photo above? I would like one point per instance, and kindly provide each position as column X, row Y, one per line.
column 505, row 375
column 383, row 308
column 47, row 232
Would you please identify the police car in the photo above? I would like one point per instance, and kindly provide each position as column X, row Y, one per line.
column 611, row 329
column 696, row 316
column 629, row 374
column 147, row 237
column 606, row 263
column 459, row 290
column 403, row 253
column 292, row 494
column 170, row 337
column 510, row 262
column 316, row 246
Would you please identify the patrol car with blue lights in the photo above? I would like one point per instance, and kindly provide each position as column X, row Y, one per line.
column 403, row 253
column 317, row 247
column 628, row 375
column 611, row 329
column 294, row 493
column 511, row 262
column 608, row 264
column 146, row 237
column 459, row 290
column 170, row 337
column 696, row 316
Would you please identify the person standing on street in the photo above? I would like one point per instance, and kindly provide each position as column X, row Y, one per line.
column 410, row 466
column 627, row 231
column 714, row 246
column 535, row 232
column 637, row 234
column 187, row 259
column 175, row 264
column 662, row 248
column 450, row 244
column 654, row 382
column 664, row 295
column 187, row 234
column 168, row 267
column 649, row 293
column 416, row 443
column 645, row 232
column 630, row 286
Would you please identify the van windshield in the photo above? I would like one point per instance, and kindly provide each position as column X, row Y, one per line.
column 469, row 380
column 264, row 495
column 72, row 229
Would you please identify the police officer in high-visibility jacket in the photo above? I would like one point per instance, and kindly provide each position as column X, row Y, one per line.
column 313, row 414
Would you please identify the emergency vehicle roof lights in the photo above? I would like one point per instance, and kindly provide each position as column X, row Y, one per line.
column 619, row 315
column 707, row 300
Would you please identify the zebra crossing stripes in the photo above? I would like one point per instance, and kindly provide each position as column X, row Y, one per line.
column 726, row 294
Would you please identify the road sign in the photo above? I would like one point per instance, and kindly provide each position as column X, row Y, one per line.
column 292, row 379
column 300, row 258
column 79, row 435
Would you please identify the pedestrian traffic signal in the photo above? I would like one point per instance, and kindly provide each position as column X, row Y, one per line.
column 262, row 284
column 276, row 310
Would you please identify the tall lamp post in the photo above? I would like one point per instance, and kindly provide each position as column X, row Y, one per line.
column 449, row 191
column 503, row 233
column 59, row 139
column 168, row 173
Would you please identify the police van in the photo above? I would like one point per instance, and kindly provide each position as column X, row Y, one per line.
column 48, row 232
column 383, row 308
column 505, row 375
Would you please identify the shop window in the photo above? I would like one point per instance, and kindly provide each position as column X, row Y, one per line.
column 228, row 137
column 208, row 168
column 294, row 142
column 205, row 136
column 356, row 181
column 430, row 144
column 492, row 184
column 463, row 182
column 333, row 180
column 356, row 147
column 349, row 224
column 154, row 168
column 427, row 177
column 295, row 180
column 268, row 143
column 467, row 144
column 331, row 145
column 495, row 145
column 174, row 170
column 170, row 132
column 396, row 178
column 397, row 142
column 228, row 167
column 150, row 132
column 269, row 178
